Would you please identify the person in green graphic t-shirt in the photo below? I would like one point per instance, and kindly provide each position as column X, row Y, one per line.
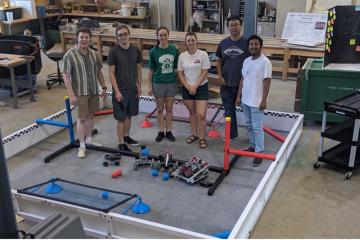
column 162, row 76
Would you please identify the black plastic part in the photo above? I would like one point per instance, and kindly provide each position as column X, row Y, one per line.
column 339, row 156
column 342, row 132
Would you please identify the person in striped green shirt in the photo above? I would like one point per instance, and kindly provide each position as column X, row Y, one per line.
column 82, row 73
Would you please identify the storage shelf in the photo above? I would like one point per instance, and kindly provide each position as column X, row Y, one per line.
column 342, row 132
column 339, row 156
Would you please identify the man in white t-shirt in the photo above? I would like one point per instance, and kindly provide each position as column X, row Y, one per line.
column 253, row 93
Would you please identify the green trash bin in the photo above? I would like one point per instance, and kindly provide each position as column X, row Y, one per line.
column 320, row 85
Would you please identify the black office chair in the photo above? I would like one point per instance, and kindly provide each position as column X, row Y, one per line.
column 56, row 77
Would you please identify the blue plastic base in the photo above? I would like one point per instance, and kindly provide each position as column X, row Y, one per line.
column 53, row 188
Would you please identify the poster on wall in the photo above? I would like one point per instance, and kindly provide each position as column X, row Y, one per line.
column 306, row 29
column 342, row 44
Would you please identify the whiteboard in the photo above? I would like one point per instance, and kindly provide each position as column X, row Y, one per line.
column 306, row 28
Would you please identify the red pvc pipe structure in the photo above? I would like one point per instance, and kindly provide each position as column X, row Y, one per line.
column 274, row 134
column 104, row 112
column 231, row 151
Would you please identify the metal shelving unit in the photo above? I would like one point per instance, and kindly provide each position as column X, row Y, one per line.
column 212, row 13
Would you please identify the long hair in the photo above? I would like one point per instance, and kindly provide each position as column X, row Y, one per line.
column 157, row 33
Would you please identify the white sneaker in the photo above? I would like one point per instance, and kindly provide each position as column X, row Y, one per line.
column 81, row 152
column 94, row 143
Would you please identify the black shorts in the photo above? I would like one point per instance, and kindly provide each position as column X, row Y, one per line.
column 128, row 107
column 202, row 93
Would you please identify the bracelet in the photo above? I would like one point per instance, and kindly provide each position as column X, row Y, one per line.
column 104, row 88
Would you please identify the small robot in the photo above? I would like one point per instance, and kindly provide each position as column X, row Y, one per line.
column 113, row 159
column 143, row 158
column 192, row 171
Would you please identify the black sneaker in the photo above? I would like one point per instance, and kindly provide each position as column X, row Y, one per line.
column 250, row 149
column 257, row 162
column 124, row 147
column 130, row 141
column 159, row 137
column 170, row 136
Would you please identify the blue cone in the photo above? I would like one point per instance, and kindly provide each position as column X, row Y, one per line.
column 140, row 207
column 53, row 188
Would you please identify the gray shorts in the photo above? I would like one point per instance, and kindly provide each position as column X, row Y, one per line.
column 164, row 89
column 128, row 107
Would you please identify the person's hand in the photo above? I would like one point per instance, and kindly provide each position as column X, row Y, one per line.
column 238, row 101
column 103, row 93
column 118, row 96
column 192, row 89
column 138, row 92
column 222, row 80
column 73, row 100
column 262, row 105
column 150, row 92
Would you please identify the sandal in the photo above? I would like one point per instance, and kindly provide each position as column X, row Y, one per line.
column 202, row 143
column 191, row 139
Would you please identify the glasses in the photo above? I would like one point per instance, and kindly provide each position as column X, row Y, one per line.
column 163, row 35
column 123, row 34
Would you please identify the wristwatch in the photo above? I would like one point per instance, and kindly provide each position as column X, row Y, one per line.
column 104, row 88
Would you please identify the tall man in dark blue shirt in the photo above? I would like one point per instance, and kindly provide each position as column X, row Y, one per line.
column 231, row 54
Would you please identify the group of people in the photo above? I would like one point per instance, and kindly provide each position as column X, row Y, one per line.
column 244, row 73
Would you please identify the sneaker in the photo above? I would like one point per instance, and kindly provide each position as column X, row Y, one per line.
column 124, row 147
column 231, row 139
column 257, row 162
column 159, row 137
column 250, row 149
column 94, row 143
column 81, row 152
column 130, row 141
column 170, row 136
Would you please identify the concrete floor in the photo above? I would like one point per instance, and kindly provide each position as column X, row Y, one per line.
column 306, row 203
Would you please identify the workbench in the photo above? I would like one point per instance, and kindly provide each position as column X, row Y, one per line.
column 141, row 37
column 11, row 61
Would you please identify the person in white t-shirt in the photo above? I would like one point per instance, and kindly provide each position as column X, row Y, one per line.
column 253, row 93
column 193, row 66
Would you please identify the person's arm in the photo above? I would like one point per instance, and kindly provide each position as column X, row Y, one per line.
column 219, row 65
column 118, row 95
column 69, row 88
column 100, row 76
column 266, row 89
column 67, row 80
column 101, row 80
column 266, row 86
column 150, row 75
column 239, row 94
column 205, row 66
column 139, row 78
column 181, row 73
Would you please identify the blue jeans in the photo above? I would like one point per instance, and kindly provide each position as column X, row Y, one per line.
column 228, row 97
column 254, row 122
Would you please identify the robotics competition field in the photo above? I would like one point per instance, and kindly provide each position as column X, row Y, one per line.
column 185, row 208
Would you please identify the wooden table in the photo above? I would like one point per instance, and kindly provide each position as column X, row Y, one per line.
column 208, row 42
column 144, row 22
column 11, row 61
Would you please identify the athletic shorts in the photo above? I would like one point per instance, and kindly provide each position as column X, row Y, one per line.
column 128, row 107
column 164, row 89
column 87, row 105
column 202, row 93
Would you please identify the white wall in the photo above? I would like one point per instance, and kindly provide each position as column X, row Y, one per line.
column 283, row 7
column 167, row 8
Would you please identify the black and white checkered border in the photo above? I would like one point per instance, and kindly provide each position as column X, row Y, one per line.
column 276, row 114
column 31, row 128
